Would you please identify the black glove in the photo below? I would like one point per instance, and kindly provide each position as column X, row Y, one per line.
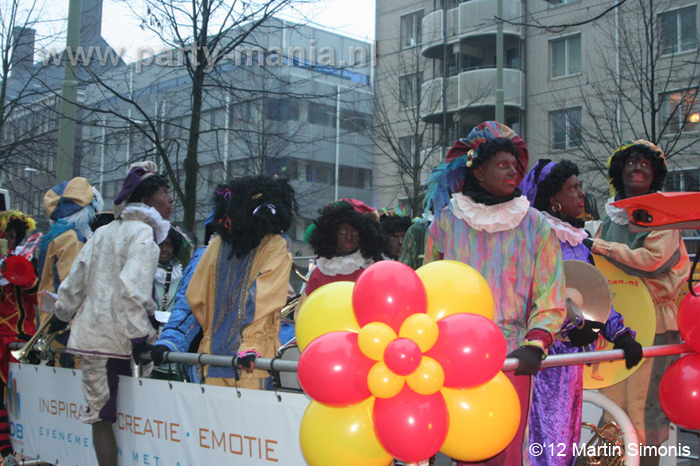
column 633, row 350
column 588, row 242
column 157, row 354
column 530, row 359
column 246, row 360
column 56, row 324
column 138, row 347
column 586, row 335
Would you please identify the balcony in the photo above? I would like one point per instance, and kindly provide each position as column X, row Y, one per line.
column 469, row 19
column 471, row 89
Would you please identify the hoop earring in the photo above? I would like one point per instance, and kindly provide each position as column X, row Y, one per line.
column 556, row 207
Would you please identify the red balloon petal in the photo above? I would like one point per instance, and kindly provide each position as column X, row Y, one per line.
column 689, row 319
column 332, row 370
column 411, row 427
column 471, row 350
column 402, row 356
column 679, row 392
column 388, row 292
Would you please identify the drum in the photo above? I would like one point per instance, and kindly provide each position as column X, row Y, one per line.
column 288, row 381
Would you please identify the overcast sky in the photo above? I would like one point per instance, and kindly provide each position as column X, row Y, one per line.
column 120, row 28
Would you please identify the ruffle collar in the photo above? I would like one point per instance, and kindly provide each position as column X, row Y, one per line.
column 148, row 215
column 162, row 273
column 343, row 265
column 616, row 214
column 565, row 231
column 493, row 218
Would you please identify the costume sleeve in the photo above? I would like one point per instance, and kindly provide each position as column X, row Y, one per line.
column 136, row 284
column 268, row 292
column 71, row 293
column 65, row 257
column 182, row 327
column 661, row 251
column 413, row 246
column 434, row 242
column 200, row 296
column 548, row 312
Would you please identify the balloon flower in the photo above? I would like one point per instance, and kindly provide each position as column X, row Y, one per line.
column 402, row 364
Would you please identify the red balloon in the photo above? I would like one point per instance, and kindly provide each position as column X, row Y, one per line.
column 679, row 392
column 402, row 356
column 332, row 370
column 689, row 319
column 388, row 292
column 411, row 427
column 471, row 350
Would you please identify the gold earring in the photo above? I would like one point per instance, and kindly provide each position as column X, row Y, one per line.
column 556, row 207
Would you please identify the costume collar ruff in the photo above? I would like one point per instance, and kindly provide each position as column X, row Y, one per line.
column 566, row 231
column 148, row 215
column 162, row 273
column 493, row 218
column 616, row 214
column 343, row 265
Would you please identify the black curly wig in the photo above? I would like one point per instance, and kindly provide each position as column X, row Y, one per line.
column 552, row 183
column 248, row 208
column 148, row 187
column 617, row 164
column 324, row 238
column 394, row 224
column 487, row 150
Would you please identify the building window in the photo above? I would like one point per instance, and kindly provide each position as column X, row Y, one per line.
column 407, row 146
column 680, row 111
column 566, row 56
column 683, row 180
column 411, row 29
column 565, row 128
column 678, row 30
column 409, row 89
column 281, row 109
column 323, row 115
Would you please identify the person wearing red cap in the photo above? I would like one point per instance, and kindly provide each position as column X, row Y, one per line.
column 17, row 302
column 111, row 285
column 481, row 219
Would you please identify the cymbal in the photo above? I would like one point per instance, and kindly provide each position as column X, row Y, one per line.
column 588, row 290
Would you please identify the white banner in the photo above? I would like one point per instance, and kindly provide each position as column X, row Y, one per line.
column 186, row 425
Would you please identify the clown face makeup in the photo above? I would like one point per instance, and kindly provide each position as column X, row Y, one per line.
column 569, row 201
column 637, row 175
column 498, row 174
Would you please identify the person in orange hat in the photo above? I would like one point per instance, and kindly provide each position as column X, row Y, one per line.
column 17, row 302
column 660, row 259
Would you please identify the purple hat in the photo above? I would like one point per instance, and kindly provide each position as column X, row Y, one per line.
column 137, row 173
column 532, row 180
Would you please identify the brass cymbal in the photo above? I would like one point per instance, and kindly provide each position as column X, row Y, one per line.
column 588, row 289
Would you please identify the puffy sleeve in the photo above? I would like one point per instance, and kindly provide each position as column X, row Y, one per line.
column 71, row 293
column 201, row 295
column 268, row 293
column 547, row 313
column 182, row 326
column 434, row 242
column 136, row 283
column 65, row 255
column 413, row 246
column 661, row 251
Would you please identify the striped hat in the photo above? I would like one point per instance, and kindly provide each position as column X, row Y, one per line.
column 67, row 198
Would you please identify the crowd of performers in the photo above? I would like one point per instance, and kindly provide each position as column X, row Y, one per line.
column 123, row 290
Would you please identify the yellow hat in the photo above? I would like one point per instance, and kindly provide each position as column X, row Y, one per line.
column 68, row 197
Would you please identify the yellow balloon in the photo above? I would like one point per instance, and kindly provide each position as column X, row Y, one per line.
column 374, row 338
column 341, row 436
column 422, row 329
column 454, row 288
column 327, row 309
column 428, row 378
column 483, row 420
column 382, row 382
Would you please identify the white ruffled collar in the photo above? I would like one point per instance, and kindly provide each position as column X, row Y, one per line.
column 148, row 215
column 489, row 218
column 343, row 265
column 566, row 231
column 616, row 214
column 175, row 274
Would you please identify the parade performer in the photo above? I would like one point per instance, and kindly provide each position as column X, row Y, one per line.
column 394, row 228
column 660, row 259
column 346, row 238
column 169, row 272
column 481, row 219
column 413, row 250
column 241, row 280
column 72, row 206
column 110, row 287
column 557, row 399
column 17, row 303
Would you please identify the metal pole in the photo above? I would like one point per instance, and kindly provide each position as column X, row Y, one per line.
column 443, row 96
column 69, row 96
column 102, row 153
column 337, row 139
column 500, row 97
